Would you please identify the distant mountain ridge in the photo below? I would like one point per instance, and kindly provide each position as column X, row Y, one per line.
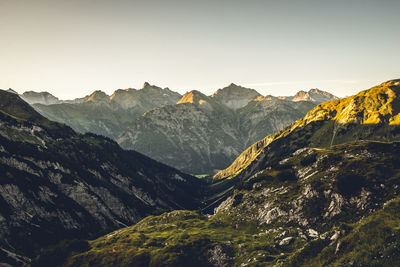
column 104, row 114
column 314, row 95
column 203, row 136
column 234, row 96
column 44, row 98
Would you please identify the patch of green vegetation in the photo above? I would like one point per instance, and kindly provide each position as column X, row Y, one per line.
column 201, row 176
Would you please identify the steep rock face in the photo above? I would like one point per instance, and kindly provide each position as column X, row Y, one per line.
column 146, row 98
column 56, row 184
column 100, row 117
column 195, row 137
column 372, row 114
column 203, row 134
column 234, row 96
column 267, row 115
column 98, row 97
column 314, row 95
column 108, row 115
column 44, row 98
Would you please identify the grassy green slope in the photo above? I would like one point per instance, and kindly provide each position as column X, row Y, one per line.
column 311, row 209
column 372, row 114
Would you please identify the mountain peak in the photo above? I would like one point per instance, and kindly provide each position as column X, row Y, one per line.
column 314, row 95
column 11, row 91
column 232, row 85
column 44, row 98
column 148, row 87
column 395, row 82
column 97, row 96
column 146, row 84
column 235, row 96
column 13, row 105
column 194, row 97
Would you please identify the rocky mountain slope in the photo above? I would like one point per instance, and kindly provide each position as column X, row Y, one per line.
column 314, row 95
column 203, row 134
column 372, row 114
column 107, row 115
column 336, row 206
column 44, row 98
column 185, row 137
column 322, row 192
column 57, row 184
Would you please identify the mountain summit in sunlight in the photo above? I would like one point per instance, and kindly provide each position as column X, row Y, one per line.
column 234, row 96
column 372, row 114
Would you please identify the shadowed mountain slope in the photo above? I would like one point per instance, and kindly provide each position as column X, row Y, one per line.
column 57, row 184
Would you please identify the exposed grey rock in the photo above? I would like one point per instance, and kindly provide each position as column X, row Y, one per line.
column 312, row 233
column 58, row 184
column 286, row 241
column 218, row 257
column 44, row 98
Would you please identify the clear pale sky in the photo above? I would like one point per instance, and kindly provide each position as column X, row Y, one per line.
column 73, row 47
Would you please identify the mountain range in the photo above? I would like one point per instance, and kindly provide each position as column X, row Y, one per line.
column 195, row 133
column 370, row 115
column 324, row 191
column 58, row 184
column 100, row 113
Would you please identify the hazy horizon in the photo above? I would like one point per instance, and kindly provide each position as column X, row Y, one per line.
column 72, row 48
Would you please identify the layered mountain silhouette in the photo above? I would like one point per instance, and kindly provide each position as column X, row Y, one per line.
column 203, row 134
column 323, row 191
column 58, row 184
column 314, row 95
column 100, row 113
column 195, row 133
